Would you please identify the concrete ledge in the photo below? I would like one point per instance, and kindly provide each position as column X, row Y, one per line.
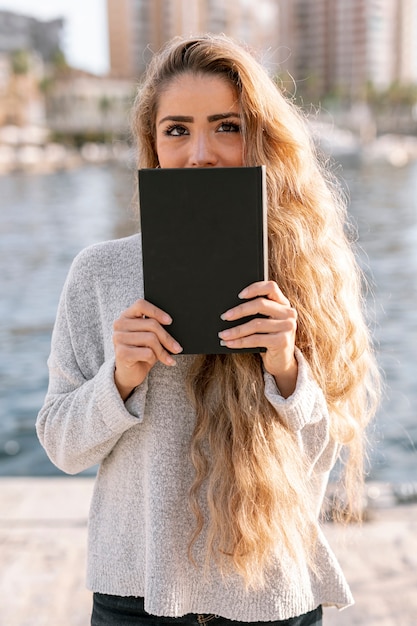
column 43, row 525
column 379, row 560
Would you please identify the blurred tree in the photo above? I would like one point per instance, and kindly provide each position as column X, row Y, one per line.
column 20, row 89
column 60, row 67
column 105, row 105
column 20, row 63
column 46, row 85
column 394, row 107
column 398, row 96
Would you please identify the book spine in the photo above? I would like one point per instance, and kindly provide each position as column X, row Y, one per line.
column 265, row 222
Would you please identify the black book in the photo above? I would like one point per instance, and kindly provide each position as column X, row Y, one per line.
column 203, row 240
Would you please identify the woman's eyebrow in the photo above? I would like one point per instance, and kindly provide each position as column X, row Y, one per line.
column 222, row 116
column 176, row 118
column 189, row 119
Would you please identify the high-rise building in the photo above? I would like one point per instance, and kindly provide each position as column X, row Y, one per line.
column 309, row 45
column 348, row 55
column 137, row 28
column 341, row 46
column 20, row 32
column 120, row 38
column 327, row 46
column 406, row 42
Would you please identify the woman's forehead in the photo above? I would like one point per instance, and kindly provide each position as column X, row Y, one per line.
column 192, row 90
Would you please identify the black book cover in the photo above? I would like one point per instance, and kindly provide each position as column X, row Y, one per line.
column 203, row 240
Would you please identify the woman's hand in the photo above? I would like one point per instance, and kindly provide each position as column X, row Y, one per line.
column 139, row 342
column 275, row 332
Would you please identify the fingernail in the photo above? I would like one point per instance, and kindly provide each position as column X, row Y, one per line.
column 225, row 316
column 177, row 347
column 223, row 343
column 243, row 293
column 224, row 334
column 170, row 361
column 167, row 319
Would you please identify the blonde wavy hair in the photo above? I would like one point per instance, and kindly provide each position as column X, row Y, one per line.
column 255, row 480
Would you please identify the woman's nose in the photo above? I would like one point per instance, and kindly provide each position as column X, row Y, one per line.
column 202, row 153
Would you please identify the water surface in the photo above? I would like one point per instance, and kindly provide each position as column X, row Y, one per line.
column 46, row 220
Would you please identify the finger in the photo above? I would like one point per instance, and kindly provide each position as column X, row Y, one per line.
column 266, row 288
column 269, row 341
column 130, row 356
column 143, row 308
column 260, row 326
column 259, row 306
column 132, row 330
column 142, row 347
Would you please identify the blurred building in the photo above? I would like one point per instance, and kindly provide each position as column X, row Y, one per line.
column 334, row 47
column 137, row 28
column 406, row 40
column 37, row 87
column 365, row 46
column 341, row 46
column 21, row 101
column 85, row 104
column 21, row 32
column 27, row 46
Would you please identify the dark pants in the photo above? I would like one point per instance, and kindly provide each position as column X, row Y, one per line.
column 119, row 611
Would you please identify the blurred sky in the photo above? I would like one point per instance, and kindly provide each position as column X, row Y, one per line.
column 85, row 40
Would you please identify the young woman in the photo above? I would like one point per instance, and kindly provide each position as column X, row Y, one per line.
column 213, row 468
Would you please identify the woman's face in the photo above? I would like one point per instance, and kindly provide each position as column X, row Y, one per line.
column 198, row 123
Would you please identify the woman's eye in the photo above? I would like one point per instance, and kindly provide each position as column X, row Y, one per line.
column 175, row 131
column 228, row 127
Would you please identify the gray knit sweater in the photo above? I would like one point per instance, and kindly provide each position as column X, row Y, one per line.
column 140, row 522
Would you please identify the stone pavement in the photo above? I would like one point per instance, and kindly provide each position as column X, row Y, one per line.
column 43, row 525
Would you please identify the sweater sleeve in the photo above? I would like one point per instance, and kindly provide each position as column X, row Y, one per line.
column 83, row 415
column 305, row 413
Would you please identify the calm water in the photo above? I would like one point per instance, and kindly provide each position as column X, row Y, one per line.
column 46, row 220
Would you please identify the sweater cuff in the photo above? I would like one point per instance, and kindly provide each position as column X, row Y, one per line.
column 118, row 414
column 298, row 409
